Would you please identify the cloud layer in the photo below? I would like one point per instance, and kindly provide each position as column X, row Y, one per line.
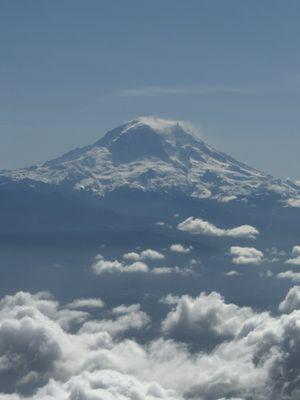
column 256, row 355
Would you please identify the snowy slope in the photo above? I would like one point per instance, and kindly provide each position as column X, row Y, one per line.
column 151, row 154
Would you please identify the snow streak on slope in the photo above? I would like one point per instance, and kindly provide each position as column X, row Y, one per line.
column 151, row 154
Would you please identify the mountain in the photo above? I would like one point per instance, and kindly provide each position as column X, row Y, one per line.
column 151, row 154
column 147, row 167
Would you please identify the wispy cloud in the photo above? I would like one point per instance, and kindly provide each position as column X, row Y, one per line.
column 151, row 91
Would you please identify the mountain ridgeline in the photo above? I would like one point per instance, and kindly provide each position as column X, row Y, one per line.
column 141, row 171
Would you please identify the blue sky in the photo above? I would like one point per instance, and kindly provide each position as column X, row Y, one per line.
column 70, row 70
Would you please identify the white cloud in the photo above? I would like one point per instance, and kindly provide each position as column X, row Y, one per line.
column 151, row 255
column 246, row 255
column 86, row 303
column 100, row 266
column 127, row 318
column 199, row 226
column 232, row 273
column 293, row 276
column 256, row 356
column 124, row 309
column 227, row 199
column 148, row 254
column 291, row 301
column 160, row 223
column 205, row 316
column 132, row 255
column 295, row 260
column 170, row 299
column 293, row 202
column 296, row 251
column 172, row 270
column 104, row 384
column 179, row 248
column 162, row 270
column 137, row 266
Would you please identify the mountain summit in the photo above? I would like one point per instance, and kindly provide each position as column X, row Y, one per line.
column 151, row 154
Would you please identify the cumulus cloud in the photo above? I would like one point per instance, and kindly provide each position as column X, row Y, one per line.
column 172, row 270
column 203, row 317
column 151, row 255
column 32, row 341
column 246, row 255
column 263, row 349
column 169, row 299
column 295, row 260
column 293, row 202
column 125, row 318
column 199, row 226
column 100, row 266
column 136, row 267
column 291, row 301
column 296, row 251
column 132, row 255
column 104, row 384
column 257, row 354
column 35, row 348
column 293, row 276
column 148, row 254
column 179, row 248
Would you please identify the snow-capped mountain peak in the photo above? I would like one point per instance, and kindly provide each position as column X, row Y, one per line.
column 158, row 125
column 152, row 154
column 176, row 131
